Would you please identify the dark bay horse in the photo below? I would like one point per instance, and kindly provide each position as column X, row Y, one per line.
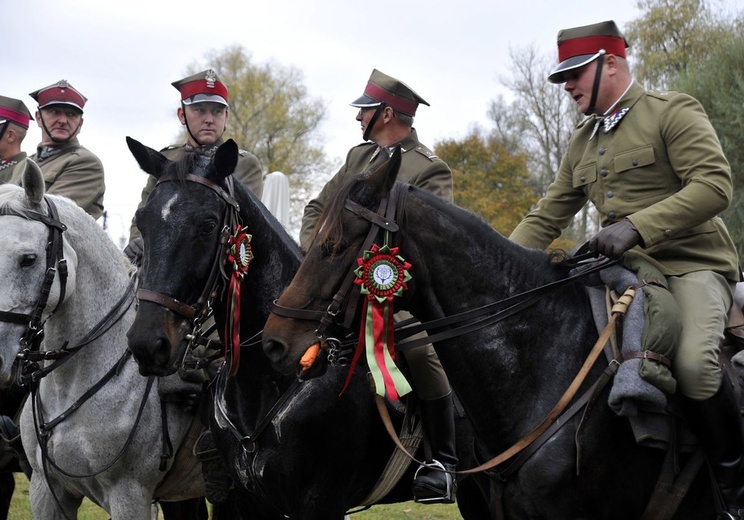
column 508, row 374
column 307, row 451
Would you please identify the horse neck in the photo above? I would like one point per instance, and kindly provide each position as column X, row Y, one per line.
column 102, row 277
column 471, row 258
column 276, row 258
column 460, row 264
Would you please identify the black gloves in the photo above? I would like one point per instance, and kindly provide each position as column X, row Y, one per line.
column 134, row 250
column 615, row 239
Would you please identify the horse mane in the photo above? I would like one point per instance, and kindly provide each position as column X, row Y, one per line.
column 194, row 163
column 329, row 228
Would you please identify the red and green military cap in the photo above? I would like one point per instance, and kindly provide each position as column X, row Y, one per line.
column 382, row 88
column 15, row 111
column 579, row 46
column 60, row 93
column 202, row 87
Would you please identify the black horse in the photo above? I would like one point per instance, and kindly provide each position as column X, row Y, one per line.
column 509, row 373
column 301, row 447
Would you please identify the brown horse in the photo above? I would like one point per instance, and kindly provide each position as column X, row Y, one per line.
column 509, row 370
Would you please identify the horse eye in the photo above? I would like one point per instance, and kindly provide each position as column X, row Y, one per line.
column 207, row 228
column 28, row 260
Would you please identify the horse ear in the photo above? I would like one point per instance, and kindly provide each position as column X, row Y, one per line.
column 33, row 182
column 382, row 179
column 151, row 161
column 226, row 158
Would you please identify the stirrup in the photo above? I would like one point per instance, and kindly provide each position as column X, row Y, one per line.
column 449, row 496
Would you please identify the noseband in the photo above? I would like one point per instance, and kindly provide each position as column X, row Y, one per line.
column 55, row 262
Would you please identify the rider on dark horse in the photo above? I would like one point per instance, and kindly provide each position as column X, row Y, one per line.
column 386, row 111
column 652, row 165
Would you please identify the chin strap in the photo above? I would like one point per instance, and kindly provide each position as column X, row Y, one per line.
column 597, row 77
column 373, row 120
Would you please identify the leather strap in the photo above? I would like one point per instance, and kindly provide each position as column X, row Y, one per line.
column 166, row 301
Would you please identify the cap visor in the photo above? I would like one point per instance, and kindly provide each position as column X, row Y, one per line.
column 68, row 103
column 365, row 102
column 205, row 98
column 559, row 74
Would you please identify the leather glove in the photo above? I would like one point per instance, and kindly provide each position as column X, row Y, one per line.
column 134, row 250
column 615, row 239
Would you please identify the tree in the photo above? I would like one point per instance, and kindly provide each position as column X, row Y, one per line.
column 718, row 83
column 538, row 123
column 671, row 37
column 488, row 179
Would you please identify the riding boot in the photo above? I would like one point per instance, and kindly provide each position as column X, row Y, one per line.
column 716, row 422
column 430, row 483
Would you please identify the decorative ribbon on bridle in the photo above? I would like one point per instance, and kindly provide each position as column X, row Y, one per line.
column 382, row 274
column 239, row 256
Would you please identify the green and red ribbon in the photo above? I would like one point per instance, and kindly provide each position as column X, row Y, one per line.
column 381, row 274
column 239, row 256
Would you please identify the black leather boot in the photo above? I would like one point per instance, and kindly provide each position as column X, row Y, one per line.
column 431, row 485
column 716, row 422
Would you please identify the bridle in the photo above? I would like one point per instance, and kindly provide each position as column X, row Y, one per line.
column 340, row 312
column 199, row 311
column 55, row 263
column 342, row 309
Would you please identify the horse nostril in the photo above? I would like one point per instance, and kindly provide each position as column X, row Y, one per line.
column 274, row 350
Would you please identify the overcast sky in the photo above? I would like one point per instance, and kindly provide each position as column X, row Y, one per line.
column 123, row 56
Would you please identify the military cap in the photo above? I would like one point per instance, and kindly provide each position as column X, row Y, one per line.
column 382, row 88
column 61, row 93
column 14, row 110
column 202, row 87
column 579, row 46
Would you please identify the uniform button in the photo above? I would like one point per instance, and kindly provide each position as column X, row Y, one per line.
column 612, row 215
column 582, row 178
column 667, row 232
column 603, row 172
column 635, row 163
column 601, row 151
column 610, row 194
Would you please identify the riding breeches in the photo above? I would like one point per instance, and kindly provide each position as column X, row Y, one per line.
column 429, row 380
column 704, row 298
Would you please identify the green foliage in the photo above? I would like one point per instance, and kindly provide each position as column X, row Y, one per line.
column 488, row 179
column 271, row 113
column 718, row 83
column 672, row 37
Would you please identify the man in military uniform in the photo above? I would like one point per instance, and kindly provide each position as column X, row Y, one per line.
column 69, row 169
column 652, row 165
column 204, row 113
column 386, row 111
column 14, row 121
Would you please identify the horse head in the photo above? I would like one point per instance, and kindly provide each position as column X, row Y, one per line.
column 182, row 225
column 38, row 267
column 338, row 240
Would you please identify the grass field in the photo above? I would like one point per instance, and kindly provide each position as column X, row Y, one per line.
column 21, row 510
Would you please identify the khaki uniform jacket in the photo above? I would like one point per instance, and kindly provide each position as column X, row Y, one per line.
column 419, row 166
column 74, row 172
column 662, row 166
column 7, row 165
column 248, row 172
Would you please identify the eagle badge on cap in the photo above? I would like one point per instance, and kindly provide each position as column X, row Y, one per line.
column 210, row 77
